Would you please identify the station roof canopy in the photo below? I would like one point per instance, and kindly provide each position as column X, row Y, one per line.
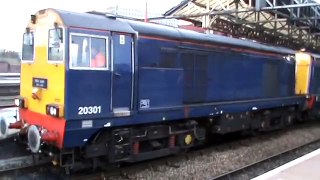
column 290, row 23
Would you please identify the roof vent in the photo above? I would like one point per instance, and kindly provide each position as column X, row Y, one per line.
column 108, row 15
column 111, row 16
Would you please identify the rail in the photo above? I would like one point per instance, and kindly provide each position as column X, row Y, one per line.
column 14, row 156
column 233, row 173
column 24, row 159
column 22, row 162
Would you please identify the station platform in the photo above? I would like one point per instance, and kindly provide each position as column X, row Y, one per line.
column 305, row 167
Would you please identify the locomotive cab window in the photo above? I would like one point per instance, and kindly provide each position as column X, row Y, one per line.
column 28, row 46
column 55, row 46
column 88, row 52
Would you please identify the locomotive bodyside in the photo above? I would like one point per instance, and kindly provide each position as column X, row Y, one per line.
column 200, row 76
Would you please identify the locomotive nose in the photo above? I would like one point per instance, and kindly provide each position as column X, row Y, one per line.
column 34, row 138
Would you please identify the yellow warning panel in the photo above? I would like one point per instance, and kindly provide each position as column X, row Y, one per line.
column 43, row 80
column 303, row 72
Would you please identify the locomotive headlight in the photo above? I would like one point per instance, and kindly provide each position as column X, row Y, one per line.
column 20, row 102
column 54, row 110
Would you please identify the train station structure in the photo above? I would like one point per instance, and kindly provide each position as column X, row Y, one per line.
column 289, row 23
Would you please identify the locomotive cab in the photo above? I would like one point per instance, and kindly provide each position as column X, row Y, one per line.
column 73, row 73
column 42, row 102
column 307, row 80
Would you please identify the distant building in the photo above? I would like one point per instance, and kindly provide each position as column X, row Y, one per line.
column 140, row 14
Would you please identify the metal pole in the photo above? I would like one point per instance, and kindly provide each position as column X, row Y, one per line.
column 290, row 6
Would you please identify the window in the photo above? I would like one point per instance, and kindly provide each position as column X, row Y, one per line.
column 28, row 46
column 88, row 52
column 168, row 59
column 55, row 46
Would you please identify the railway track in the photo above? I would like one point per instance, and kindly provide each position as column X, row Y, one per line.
column 244, row 169
column 131, row 171
column 109, row 172
column 14, row 156
column 21, row 162
column 176, row 162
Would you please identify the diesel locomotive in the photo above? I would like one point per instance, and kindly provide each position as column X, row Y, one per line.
column 156, row 90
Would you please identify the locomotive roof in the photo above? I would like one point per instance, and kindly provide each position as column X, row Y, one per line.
column 100, row 21
column 93, row 21
column 182, row 34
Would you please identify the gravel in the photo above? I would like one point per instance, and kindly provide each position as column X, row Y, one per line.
column 223, row 158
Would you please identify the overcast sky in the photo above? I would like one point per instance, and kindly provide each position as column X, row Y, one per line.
column 14, row 14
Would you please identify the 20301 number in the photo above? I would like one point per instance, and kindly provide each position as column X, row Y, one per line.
column 89, row 110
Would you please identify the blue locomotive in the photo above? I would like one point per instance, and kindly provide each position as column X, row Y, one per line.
column 99, row 88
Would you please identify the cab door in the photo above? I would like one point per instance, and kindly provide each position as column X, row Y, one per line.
column 122, row 73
